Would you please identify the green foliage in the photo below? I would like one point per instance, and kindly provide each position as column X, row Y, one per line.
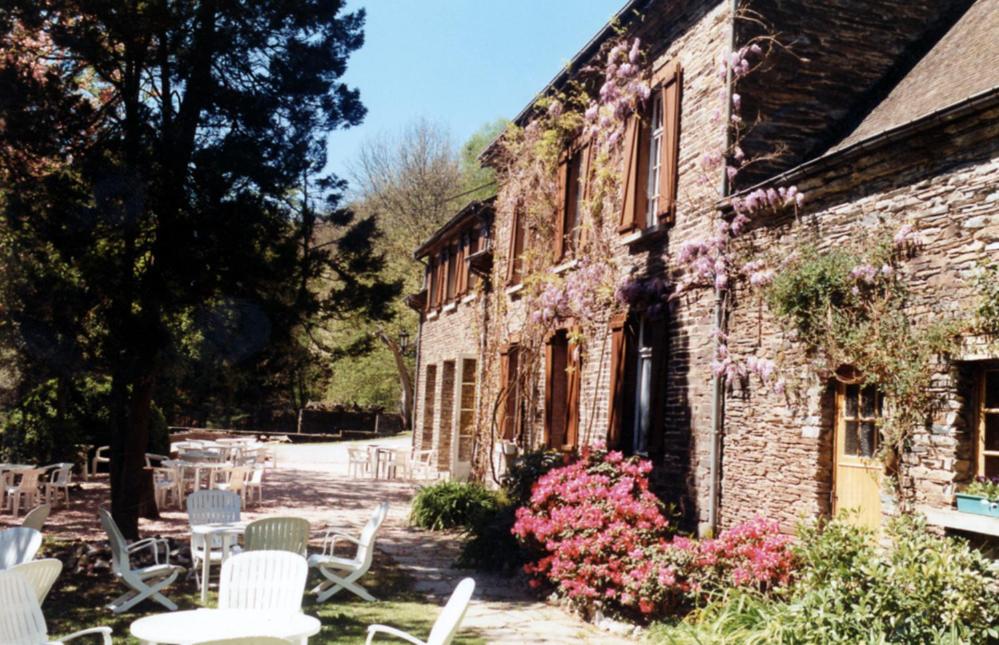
column 987, row 283
column 453, row 505
column 476, row 177
column 919, row 588
column 491, row 545
column 984, row 487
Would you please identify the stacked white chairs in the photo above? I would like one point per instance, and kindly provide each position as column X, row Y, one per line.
column 18, row 545
column 100, row 457
column 166, row 484
column 35, row 519
column 59, row 478
column 278, row 534
column 143, row 582
column 446, row 625
column 210, row 507
column 343, row 573
column 26, row 490
column 21, row 618
column 263, row 580
column 40, row 574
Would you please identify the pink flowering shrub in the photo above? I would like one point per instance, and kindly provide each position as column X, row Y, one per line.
column 601, row 539
column 593, row 522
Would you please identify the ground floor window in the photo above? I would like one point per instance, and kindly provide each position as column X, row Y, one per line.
column 466, row 410
column 637, row 384
column 988, row 423
column 562, row 374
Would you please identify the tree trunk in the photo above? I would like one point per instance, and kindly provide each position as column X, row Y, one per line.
column 131, row 484
column 405, row 379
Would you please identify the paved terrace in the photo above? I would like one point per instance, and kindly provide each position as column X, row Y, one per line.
column 311, row 481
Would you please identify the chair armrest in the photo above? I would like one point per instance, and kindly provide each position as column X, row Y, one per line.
column 391, row 631
column 153, row 543
column 329, row 541
column 105, row 633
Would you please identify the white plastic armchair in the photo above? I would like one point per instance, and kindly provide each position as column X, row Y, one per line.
column 255, row 482
column 21, row 618
column 59, row 478
column 35, row 519
column 17, row 545
column 235, row 480
column 40, row 574
column 143, row 582
column 263, row 580
column 27, row 490
column 210, row 507
column 342, row 573
column 446, row 625
column 100, row 457
column 422, row 465
column 166, row 484
column 358, row 462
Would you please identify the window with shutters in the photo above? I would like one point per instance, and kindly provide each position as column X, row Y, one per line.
column 518, row 236
column 562, row 392
column 431, row 285
column 652, row 151
column 511, row 407
column 571, row 204
column 637, row 384
column 988, row 423
column 471, row 278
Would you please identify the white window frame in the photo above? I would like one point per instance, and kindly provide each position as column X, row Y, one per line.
column 657, row 130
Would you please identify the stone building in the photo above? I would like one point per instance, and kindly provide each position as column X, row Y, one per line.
column 884, row 114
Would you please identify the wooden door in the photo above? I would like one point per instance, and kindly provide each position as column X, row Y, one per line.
column 858, row 471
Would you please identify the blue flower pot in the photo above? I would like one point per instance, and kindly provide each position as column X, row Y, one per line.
column 977, row 505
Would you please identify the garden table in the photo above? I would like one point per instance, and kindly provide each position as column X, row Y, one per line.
column 227, row 532
column 197, row 625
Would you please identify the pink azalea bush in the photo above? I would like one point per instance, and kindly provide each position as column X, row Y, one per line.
column 602, row 541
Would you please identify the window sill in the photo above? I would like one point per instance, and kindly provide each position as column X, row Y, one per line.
column 469, row 298
column 952, row 519
column 433, row 315
column 565, row 266
column 515, row 289
column 449, row 307
column 649, row 234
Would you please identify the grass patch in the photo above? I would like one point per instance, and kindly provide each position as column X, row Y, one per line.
column 78, row 600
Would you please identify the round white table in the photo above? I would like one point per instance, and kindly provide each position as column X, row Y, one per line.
column 197, row 625
column 228, row 532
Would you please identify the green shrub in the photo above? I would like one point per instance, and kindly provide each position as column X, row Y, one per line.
column 919, row 588
column 453, row 505
column 520, row 478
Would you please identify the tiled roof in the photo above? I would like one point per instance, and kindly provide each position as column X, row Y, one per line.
column 964, row 63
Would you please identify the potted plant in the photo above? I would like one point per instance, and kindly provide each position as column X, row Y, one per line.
column 980, row 497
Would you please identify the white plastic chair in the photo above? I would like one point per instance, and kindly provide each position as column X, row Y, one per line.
column 166, row 483
column 40, row 574
column 278, row 534
column 17, row 545
column 60, row 477
column 21, row 618
column 357, row 462
column 210, row 507
column 264, row 581
column 152, row 456
column 100, row 457
column 422, row 465
column 255, row 482
column 27, row 489
column 35, row 519
column 248, row 640
column 341, row 573
column 446, row 625
column 143, row 582
column 235, row 480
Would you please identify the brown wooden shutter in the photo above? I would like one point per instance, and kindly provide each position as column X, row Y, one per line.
column 672, row 91
column 429, row 281
column 619, row 356
column 512, row 276
column 502, row 418
column 631, row 179
column 575, row 378
column 586, row 157
column 549, row 399
column 461, row 287
column 561, row 204
column 441, row 279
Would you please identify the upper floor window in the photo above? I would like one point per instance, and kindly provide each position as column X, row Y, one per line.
column 518, row 240
column 452, row 273
column 652, row 152
column 572, row 200
column 988, row 423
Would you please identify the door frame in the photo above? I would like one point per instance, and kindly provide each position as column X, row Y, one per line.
column 840, row 459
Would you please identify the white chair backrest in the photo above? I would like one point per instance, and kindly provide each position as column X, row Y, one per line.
column 278, row 534
column 447, row 623
column 210, row 506
column 29, row 479
column 236, row 476
column 263, row 580
column 21, row 619
column 61, row 474
column 357, row 454
column 40, row 574
column 366, row 548
column 18, row 545
column 119, row 547
column 257, row 475
column 35, row 519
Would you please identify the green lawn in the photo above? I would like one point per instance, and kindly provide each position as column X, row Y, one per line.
column 77, row 601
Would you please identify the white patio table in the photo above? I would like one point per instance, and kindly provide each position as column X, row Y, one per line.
column 197, row 625
column 228, row 532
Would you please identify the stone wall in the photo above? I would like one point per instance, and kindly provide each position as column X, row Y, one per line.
column 778, row 449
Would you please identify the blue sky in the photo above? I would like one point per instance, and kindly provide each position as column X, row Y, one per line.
column 459, row 62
